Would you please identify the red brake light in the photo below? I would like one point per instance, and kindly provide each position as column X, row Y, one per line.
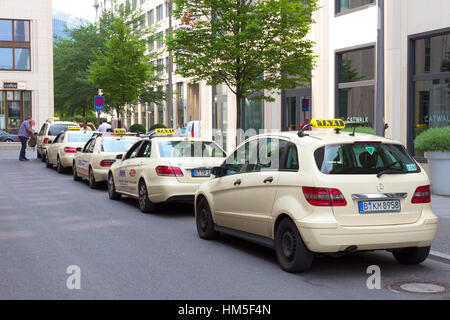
column 47, row 140
column 70, row 150
column 324, row 197
column 107, row 163
column 169, row 171
column 422, row 195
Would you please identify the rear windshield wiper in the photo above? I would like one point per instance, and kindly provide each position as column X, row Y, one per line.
column 390, row 171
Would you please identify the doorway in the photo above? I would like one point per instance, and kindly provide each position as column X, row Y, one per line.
column 296, row 108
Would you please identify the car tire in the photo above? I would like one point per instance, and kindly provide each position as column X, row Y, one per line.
column 411, row 256
column 43, row 157
column 92, row 183
column 59, row 166
column 145, row 204
column 8, row 140
column 75, row 173
column 292, row 254
column 113, row 195
column 204, row 221
column 47, row 163
column 39, row 156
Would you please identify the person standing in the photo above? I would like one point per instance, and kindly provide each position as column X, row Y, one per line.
column 105, row 126
column 85, row 127
column 25, row 131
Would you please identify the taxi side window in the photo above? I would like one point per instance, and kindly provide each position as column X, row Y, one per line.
column 145, row 150
column 91, row 146
column 133, row 151
column 290, row 158
column 240, row 160
column 42, row 132
column 87, row 145
column 59, row 138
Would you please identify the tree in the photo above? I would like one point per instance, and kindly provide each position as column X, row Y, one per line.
column 251, row 46
column 73, row 91
column 123, row 70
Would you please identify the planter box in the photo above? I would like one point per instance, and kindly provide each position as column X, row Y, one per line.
column 440, row 172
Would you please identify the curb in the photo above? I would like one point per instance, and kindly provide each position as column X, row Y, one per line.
column 438, row 256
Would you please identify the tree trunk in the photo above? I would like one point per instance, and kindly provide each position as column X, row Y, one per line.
column 239, row 123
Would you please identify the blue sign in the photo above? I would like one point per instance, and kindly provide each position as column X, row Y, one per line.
column 305, row 105
column 99, row 103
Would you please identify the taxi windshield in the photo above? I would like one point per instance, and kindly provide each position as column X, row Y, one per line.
column 189, row 149
column 364, row 158
column 117, row 145
column 78, row 137
column 56, row 129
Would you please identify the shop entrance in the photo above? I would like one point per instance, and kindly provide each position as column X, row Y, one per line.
column 15, row 106
column 296, row 108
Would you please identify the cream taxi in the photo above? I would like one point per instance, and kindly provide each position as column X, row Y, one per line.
column 320, row 192
column 163, row 168
column 93, row 161
column 64, row 147
column 49, row 130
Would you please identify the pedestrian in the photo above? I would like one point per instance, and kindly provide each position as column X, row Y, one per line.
column 85, row 127
column 105, row 126
column 25, row 131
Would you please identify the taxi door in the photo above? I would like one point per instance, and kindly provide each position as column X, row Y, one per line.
column 54, row 147
column 127, row 171
column 83, row 159
column 136, row 165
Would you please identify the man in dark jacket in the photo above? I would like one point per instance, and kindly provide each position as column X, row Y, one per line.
column 25, row 131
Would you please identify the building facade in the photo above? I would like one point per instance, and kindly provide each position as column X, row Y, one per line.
column 26, row 62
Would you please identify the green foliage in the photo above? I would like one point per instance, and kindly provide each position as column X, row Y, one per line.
column 157, row 126
column 366, row 130
column 139, row 128
column 434, row 140
column 251, row 46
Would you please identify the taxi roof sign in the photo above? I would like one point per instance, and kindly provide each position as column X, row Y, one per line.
column 73, row 128
column 328, row 124
column 53, row 119
column 164, row 132
column 120, row 131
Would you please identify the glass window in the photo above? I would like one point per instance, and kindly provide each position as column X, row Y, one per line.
column 26, row 104
column 6, row 58
column 345, row 5
column 357, row 65
column 145, row 150
column 21, row 31
column 6, row 30
column 253, row 115
column 239, row 161
column 357, row 105
column 159, row 13
column 17, row 95
column 79, row 137
column 2, row 111
column 189, row 149
column 432, row 54
column 364, row 158
column 55, row 129
column 133, row 151
column 151, row 17
column 117, row 145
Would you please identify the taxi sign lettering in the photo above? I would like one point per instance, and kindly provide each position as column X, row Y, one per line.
column 164, row 131
column 120, row 131
column 53, row 119
column 328, row 123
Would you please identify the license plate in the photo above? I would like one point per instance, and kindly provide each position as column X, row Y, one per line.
column 201, row 173
column 379, row 206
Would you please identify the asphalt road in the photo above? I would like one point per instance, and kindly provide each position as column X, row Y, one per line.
column 48, row 222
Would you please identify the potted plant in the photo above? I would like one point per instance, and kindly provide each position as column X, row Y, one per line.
column 435, row 143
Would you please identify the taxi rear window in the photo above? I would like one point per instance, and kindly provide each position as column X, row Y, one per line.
column 117, row 145
column 189, row 149
column 364, row 158
column 79, row 137
column 56, row 129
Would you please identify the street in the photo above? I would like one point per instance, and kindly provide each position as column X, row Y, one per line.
column 48, row 222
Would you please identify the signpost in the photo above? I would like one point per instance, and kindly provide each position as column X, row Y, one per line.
column 99, row 105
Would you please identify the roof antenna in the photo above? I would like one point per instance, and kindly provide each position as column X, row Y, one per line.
column 353, row 133
column 302, row 133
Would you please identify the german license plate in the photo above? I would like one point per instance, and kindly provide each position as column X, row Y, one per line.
column 201, row 173
column 379, row 206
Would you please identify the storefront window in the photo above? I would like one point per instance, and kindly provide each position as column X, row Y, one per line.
column 253, row 115
column 356, row 88
column 431, row 104
column 2, row 111
column 27, row 104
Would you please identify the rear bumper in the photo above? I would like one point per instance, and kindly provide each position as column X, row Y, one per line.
column 329, row 237
column 67, row 160
column 172, row 191
column 101, row 174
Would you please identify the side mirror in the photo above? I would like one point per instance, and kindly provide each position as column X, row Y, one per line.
column 79, row 149
column 218, row 171
column 35, row 133
column 119, row 157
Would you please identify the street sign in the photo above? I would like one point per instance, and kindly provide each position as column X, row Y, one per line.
column 99, row 103
column 305, row 105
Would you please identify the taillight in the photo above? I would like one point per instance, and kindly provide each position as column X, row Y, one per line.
column 422, row 195
column 70, row 150
column 47, row 140
column 169, row 171
column 18, row 138
column 324, row 197
column 107, row 163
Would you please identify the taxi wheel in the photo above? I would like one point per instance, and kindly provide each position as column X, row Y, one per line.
column 292, row 254
column 47, row 163
column 204, row 221
column 75, row 173
column 92, row 183
column 411, row 256
column 39, row 156
column 59, row 167
column 42, row 157
column 113, row 195
column 145, row 204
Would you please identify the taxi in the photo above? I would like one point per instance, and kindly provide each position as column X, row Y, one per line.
column 163, row 168
column 63, row 148
column 93, row 161
column 49, row 130
column 320, row 191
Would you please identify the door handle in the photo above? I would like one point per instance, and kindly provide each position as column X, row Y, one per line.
column 268, row 180
column 238, row 182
